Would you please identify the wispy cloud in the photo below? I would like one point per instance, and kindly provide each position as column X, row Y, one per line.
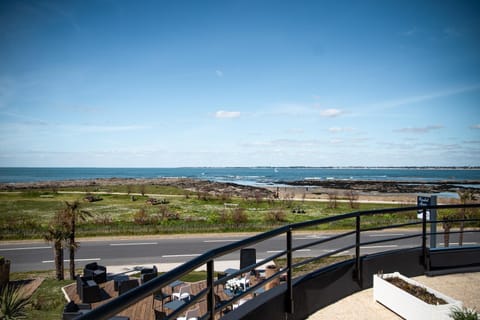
column 219, row 73
column 339, row 129
column 26, row 120
column 410, row 32
column 475, row 126
column 221, row 114
column 418, row 130
column 106, row 128
column 330, row 113
column 428, row 96
column 451, row 32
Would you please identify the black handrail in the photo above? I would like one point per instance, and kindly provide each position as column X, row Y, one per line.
column 133, row 296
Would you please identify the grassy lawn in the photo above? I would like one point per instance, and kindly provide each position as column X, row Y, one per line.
column 182, row 212
column 47, row 301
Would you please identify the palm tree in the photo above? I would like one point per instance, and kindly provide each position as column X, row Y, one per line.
column 57, row 234
column 71, row 213
column 466, row 196
column 13, row 303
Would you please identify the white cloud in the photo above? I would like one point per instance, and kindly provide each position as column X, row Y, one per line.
column 330, row 113
column 419, row 129
column 219, row 73
column 475, row 126
column 221, row 114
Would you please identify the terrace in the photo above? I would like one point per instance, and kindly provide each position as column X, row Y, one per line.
column 302, row 295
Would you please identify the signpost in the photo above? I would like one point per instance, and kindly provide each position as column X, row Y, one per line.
column 424, row 201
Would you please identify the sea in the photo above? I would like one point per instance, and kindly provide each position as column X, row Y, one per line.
column 246, row 175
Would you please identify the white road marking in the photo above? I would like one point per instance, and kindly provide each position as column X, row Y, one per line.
column 456, row 243
column 76, row 260
column 223, row 240
column 25, row 248
column 180, row 255
column 341, row 253
column 379, row 247
column 386, row 235
column 134, row 244
column 301, row 250
column 309, row 238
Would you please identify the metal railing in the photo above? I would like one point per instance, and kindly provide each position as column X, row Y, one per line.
column 122, row 302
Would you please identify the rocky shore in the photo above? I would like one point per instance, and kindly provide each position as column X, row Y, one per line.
column 389, row 191
column 388, row 186
column 195, row 185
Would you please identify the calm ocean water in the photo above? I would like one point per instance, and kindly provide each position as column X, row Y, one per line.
column 243, row 175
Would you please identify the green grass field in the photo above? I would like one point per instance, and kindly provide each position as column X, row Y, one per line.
column 27, row 214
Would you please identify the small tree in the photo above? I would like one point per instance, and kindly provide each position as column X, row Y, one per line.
column 71, row 213
column 447, row 225
column 332, row 200
column 466, row 197
column 352, row 197
column 57, row 234
column 142, row 189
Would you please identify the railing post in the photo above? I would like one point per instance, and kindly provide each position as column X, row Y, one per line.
column 424, row 238
column 290, row 302
column 358, row 272
column 211, row 293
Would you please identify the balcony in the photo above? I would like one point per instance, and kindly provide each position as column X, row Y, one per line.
column 297, row 296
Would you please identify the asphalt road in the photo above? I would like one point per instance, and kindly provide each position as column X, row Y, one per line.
column 33, row 256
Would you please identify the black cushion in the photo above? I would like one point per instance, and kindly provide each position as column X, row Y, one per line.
column 91, row 266
column 71, row 307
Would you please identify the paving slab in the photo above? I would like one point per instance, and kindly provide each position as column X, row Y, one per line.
column 361, row 306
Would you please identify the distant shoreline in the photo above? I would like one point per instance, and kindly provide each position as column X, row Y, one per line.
column 271, row 167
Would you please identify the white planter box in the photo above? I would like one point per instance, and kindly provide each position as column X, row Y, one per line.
column 408, row 306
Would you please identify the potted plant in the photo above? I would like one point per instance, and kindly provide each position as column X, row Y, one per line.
column 463, row 314
column 410, row 299
column 4, row 272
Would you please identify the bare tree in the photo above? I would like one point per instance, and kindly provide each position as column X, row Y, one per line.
column 352, row 197
column 143, row 189
column 332, row 200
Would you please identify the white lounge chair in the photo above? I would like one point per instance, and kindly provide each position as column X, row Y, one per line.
column 191, row 314
column 182, row 294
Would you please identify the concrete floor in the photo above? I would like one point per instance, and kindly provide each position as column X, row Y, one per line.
column 361, row 306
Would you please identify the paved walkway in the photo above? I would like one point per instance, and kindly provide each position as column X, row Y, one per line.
column 361, row 306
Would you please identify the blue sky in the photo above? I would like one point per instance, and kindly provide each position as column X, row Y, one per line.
column 239, row 83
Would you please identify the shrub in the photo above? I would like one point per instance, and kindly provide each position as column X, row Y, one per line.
column 13, row 303
column 276, row 215
column 239, row 216
column 463, row 314
column 140, row 217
